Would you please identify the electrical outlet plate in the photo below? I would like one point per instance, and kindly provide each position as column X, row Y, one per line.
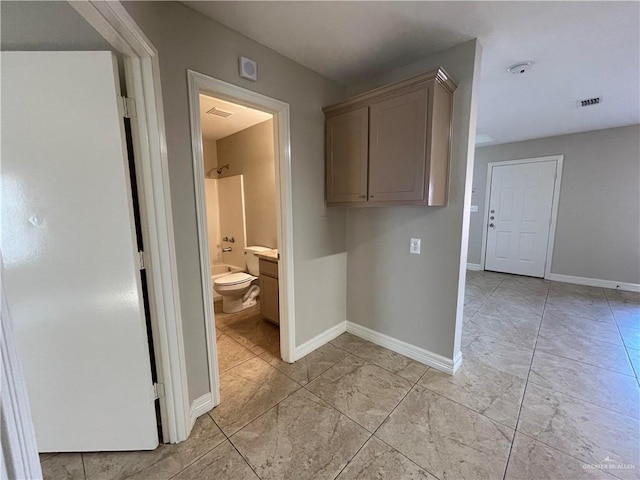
column 414, row 246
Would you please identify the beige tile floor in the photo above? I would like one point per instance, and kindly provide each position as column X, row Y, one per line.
column 548, row 389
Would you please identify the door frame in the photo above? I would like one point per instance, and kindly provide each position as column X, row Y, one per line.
column 554, row 206
column 142, row 73
column 198, row 83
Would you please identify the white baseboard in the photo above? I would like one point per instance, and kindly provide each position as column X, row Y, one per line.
column 594, row 282
column 200, row 406
column 476, row 267
column 418, row 354
column 319, row 340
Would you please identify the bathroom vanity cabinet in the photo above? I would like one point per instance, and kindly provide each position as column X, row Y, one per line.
column 269, row 298
column 390, row 146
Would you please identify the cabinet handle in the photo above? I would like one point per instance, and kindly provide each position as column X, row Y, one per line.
column 362, row 196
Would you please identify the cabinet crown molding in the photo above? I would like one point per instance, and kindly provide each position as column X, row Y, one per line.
column 439, row 75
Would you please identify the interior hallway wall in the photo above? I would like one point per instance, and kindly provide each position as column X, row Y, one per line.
column 598, row 225
column 414, row 298
column 185, row 40
column 250, row 153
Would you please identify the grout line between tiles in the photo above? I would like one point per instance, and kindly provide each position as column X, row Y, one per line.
column 524, row 393
column 468, row 407
column 84, row 468
column 583, row 400
column 626, row 349
column 570, row 455
column 387, row 418
column 246, row 460
column 371, row 434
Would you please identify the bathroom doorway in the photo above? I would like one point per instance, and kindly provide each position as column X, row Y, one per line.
column 243, row 189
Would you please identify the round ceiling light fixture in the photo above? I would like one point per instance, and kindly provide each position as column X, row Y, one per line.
column 520, row 68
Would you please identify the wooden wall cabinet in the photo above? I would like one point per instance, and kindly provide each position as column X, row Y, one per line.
column 390, row 146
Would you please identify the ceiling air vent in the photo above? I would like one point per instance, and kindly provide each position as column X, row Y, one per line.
column 589, row 101
column 219, row 113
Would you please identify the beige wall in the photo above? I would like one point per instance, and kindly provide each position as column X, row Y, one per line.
column 408, row 297
column 210, row 154
column 598, row 226
column 250, row 153
column 188, row 40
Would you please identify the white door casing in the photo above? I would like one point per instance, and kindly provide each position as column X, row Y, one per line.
column 519, row 217
column 200, row 83
column 68, row 240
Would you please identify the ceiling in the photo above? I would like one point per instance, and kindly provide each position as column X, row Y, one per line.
column 215, row 127
column 579, row 49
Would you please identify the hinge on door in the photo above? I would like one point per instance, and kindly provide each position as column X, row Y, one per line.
column 127, row 107
column 157, row 391
column 141, row 261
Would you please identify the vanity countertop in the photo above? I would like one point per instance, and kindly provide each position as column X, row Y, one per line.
column 271, row 255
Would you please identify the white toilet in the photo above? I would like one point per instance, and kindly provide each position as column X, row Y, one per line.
column 240, row 290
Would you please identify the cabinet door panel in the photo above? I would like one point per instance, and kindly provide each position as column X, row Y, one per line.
column 269, row 301
column 397, row 142
column 347, row 153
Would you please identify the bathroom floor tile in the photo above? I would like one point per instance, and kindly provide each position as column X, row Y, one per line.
column 231, row 353
column 364, row 392
column 254, row 333
column 392, row 361
column 378, row 460
column 309, row 367
column 445, row 438
column 300, row 438
column 247, row 391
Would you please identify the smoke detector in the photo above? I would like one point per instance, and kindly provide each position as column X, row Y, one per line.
column 587, row 102
column 520, row 68
column 219, row 113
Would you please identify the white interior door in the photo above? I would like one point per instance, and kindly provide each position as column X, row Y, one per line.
column 520, row 209
column 68, row 240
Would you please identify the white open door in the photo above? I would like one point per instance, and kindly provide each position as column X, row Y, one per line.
column 520, row 214
column 68, row 240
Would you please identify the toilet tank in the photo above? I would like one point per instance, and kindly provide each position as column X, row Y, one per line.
column 253, row 262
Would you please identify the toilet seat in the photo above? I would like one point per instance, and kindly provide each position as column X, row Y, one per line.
column 234, row 279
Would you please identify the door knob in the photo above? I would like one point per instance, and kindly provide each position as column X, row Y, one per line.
column 491, row 225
